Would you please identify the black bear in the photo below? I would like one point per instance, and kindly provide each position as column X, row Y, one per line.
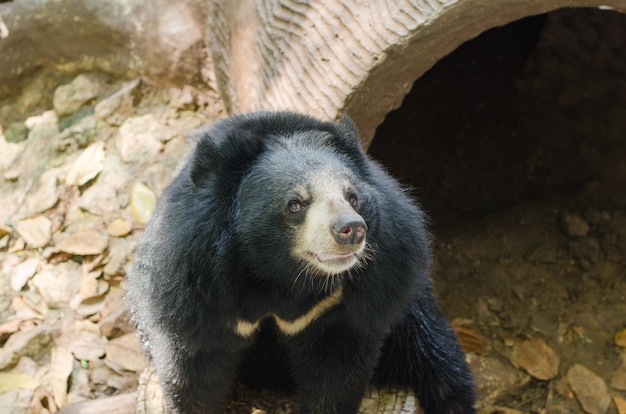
column 281, row 254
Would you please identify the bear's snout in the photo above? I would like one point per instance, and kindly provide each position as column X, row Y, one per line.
column 349, row 229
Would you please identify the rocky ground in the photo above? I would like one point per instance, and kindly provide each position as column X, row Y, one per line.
column 531, row 229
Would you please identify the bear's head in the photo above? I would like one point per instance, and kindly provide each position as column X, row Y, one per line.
column 301, row 202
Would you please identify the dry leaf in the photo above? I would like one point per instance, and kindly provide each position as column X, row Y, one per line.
column 620, row 338
column 61, row 365
column 35, row 231
column 125, row 352
column 620, row 404
column 84, row 340
column 15, row 381
column 88, row 165
column 536, row 358
column 142, row 202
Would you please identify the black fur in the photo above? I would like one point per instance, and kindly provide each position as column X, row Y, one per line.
column 217, row 250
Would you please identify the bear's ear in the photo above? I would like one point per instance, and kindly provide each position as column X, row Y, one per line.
column 348, row 134
column 228, row 147
column 204, row 159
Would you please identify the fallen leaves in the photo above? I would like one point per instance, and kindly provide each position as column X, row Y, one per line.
column 142, row 202
column 536, row 358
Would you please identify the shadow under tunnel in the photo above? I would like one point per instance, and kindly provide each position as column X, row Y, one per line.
column 523, row 111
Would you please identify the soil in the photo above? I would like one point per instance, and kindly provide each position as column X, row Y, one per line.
column 511, row 143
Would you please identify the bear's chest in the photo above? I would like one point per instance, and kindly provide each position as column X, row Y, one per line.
column 290, row 318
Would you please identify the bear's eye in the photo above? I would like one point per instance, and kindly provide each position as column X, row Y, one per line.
column 295, row 206
column 353, row 200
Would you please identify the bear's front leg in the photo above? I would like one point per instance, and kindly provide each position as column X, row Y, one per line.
column 428, row 359
column 332, row 368
column 196, row 381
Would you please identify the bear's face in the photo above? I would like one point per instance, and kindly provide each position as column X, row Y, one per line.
column 301, row 212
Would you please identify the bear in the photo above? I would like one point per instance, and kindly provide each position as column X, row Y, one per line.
column 282, row 255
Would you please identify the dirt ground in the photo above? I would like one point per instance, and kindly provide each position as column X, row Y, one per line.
column 515, row 145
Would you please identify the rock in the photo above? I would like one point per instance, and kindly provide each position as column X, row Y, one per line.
column 119, row 106
column 35, row 231
column 494, row 379
column 47, row 194
column 42, row 127
column 9, row 152
column 87, row 166
column 83, row 243
column 16, row 132
column 182, row 98
column 68, row 98
column 119, row 227
column 57, row 284
column 589, row 389
column 138, row 140
column 125, row 352
column 29, row 342
column 142, row 202
column 536, row 358
column 574, row 225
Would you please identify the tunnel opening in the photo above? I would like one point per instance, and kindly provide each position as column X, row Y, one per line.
column 515, row 145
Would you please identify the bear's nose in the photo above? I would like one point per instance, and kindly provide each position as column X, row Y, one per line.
column 349, row 229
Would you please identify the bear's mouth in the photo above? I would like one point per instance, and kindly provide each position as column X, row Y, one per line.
column 334, row 258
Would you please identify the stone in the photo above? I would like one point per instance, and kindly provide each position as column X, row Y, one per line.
column 574, row 225
column 494, row 379
column 9, row 152
column 121, row 105
column 16, row 132
column 183, row 99
column 590, row 389
column 68, row 98
column 138, row 139
column 119, row 227
column 83, row 243
column 35, row 231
